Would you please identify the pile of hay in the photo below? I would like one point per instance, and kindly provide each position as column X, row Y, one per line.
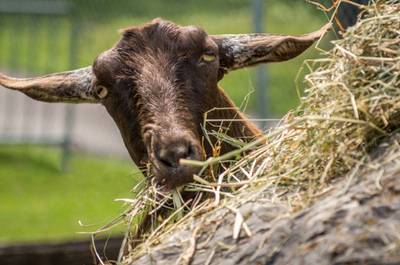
column 351, row 102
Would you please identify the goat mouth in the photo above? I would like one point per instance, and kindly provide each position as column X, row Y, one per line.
column 172, row 177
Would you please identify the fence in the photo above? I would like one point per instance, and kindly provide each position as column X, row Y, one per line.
column 22, row 120
column 40, row 37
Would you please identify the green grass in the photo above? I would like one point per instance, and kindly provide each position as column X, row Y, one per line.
column 38, row 202
column 42, row 46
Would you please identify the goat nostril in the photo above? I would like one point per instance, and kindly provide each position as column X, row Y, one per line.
column 166, row 162
column 190, row 152
column 164, row 157
column 170, row 157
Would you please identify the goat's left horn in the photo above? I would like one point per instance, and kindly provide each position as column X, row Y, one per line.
column 241, row 50
column 70, row 87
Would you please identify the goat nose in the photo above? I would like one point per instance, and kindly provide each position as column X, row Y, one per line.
column 170, row 154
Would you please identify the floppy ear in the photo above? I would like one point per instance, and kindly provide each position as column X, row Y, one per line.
column 72, row 87
column 242, row 50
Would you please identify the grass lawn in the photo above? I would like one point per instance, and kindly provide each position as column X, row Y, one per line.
column 38, row 202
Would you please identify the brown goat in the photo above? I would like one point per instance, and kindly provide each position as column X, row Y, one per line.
column 158, row 82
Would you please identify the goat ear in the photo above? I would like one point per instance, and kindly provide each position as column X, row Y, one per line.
column 72, row 87
column 242, row 50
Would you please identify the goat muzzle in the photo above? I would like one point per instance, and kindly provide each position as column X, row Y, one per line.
column 166, row 155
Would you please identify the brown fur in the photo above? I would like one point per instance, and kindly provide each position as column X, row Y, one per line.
column 159, row 91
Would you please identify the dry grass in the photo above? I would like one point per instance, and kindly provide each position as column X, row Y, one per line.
column 352, row 100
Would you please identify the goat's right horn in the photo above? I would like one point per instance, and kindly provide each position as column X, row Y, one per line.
column 71, row 87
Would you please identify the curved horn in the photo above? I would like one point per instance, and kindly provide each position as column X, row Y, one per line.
column 242, row 50
column 71, row 87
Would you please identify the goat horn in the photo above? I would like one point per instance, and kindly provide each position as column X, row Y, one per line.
column 242, row 50
column 71, row 87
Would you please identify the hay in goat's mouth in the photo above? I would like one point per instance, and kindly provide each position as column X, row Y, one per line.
column 352, row 99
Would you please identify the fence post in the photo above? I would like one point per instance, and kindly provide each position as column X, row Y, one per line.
column 261, row 81
column 36, row 11
column 70, row 109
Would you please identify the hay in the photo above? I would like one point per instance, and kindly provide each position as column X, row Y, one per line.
column 350, row 224
column 351, row 102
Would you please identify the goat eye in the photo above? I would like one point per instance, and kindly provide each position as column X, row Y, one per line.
column 101, row 91
column 208, row 57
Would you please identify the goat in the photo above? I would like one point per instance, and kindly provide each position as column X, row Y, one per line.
column 158, row 82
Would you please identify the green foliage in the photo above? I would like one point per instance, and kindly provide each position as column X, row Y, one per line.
column 39, row 202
